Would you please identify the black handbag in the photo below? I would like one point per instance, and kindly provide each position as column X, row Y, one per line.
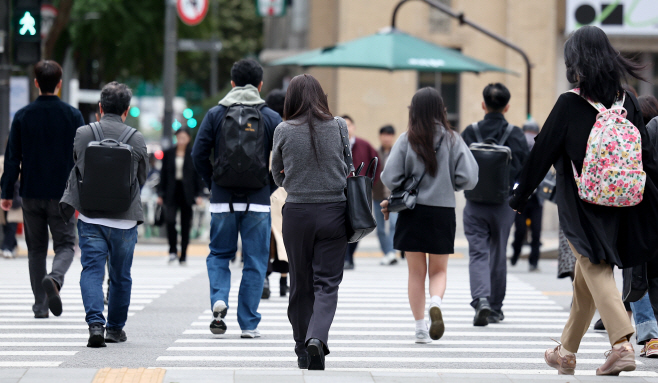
column 359, row 220
column 158, row 215
column 404, row 197
column 636, row 283
column 546, row 188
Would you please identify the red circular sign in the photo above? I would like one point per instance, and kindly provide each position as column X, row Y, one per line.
column 192, row 12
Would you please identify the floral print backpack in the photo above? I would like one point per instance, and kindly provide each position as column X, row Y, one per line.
column 612, row 173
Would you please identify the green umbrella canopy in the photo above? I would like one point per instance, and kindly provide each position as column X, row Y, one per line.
column 390, row 50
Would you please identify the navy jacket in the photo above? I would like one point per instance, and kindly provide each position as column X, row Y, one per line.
column 206, row 141
column 40, row 149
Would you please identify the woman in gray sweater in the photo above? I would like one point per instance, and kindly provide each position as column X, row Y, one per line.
column 430, row 147
column 307, row 160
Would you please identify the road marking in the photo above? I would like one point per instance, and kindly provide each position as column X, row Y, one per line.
column 371, row 350
column 449, row 325
column 43, row 336
column 406, row 313
column 407, row 318
column 19, row 363
column 43, row 344
column 38, row 353
column 483, row 333
column 290, row 342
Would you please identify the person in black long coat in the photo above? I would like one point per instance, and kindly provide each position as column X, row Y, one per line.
column 179, row 189
column 600, row 236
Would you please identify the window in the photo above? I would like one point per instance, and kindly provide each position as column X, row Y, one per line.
column 448, row 86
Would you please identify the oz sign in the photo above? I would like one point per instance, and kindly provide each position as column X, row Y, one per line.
column 192, row 12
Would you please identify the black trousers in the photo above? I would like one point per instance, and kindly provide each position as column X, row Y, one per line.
column 185, row 222
column 534, row 212
column 315, row 239
column 349, row 252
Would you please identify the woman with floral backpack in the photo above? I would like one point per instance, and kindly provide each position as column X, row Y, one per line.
column 606, row 191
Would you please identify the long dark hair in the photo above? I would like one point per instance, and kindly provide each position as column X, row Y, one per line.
column 307, row 101
column 426, row 111
column 596, row 66
column 649, row 107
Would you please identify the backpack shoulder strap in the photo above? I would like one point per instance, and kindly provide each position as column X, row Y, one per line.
column 507, row 133
column 478, row 134
column 97, row 130
column 126, row 135
column 259, row 107
column 596, row 105
column 347, row 153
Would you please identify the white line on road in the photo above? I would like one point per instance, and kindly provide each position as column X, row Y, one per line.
column 482, row 333
column 371, row 350
column 396, row 325
column 43, row 344
column 19, row 363
column 440, row 343
column 38, row 353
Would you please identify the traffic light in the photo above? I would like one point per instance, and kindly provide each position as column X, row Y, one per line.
column 26, row 31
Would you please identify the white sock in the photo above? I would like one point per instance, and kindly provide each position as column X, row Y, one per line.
column 421, row 325
column 436, row 301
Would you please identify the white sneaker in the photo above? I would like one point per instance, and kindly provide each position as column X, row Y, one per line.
column 423, row 337
column 7, row 254
column 173, row 257
column 219, row 310
column 389, row 259
column 250, row 334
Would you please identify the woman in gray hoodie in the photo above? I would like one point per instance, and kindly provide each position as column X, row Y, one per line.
column 430, row 147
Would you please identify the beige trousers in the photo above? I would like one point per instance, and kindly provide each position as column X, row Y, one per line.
column 594, row 288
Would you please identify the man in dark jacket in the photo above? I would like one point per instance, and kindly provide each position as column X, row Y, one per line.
column 246, row 212
column 40, row 150
column 362, row 152
column 107, row 236
column 487, row 226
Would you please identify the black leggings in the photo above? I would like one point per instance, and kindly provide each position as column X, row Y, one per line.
column 185, row 222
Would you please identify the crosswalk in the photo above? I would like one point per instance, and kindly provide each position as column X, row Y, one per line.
column 29, row 342
column 374, row 331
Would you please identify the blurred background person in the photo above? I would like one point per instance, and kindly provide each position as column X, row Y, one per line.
column 381, row 193
column 179, row 189
column 10, row 220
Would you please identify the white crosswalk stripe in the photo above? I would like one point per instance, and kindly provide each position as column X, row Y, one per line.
column 29, row 342
column 374, row 330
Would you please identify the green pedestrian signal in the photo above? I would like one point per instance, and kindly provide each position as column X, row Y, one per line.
column 188, row 113
column 28, row 24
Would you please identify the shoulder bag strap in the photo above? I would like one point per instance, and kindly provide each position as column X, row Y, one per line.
column 347, row 153
column 506, row 135
column 126, row 135
column 476, row 129
column 97, row 131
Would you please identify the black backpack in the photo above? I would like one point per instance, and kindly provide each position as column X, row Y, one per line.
column 109, row 180
column 494, row 160
column 241, row 163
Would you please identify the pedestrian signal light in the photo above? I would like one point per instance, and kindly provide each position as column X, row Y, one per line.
column 135, row 112
column 188, row 113
column 26, row 31
column 191, row 123
column 176, row 125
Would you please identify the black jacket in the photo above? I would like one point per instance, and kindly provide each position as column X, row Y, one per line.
column 40, row 149
column 192, row 183
column 493, row 126
column 622, row 236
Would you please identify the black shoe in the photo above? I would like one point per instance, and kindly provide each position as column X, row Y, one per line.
column 514, row 259
column 283, row 286
column 113, row 335
column 348, row 265
column 315, row 351
column 52, row 291
column 482, row 311
column 266, row 289
column 41, row 315
column 96, row 335
column 599, row 325
column 302, row 362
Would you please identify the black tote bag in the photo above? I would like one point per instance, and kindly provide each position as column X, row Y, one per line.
column 359, row 220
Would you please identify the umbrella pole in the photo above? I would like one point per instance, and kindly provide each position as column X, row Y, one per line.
column 462, row 20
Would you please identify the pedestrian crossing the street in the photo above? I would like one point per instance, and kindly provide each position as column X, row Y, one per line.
column 373, row 330
column 29, row 342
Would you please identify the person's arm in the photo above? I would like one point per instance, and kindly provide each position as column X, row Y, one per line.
column 12, row 165
column 79, row 120
column 393, row 174
column 468, row 135
column 466, row 168
column 277, row 158
column 549, row 144
column 203, row 146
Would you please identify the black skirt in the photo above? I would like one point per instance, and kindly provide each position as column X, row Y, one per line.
column 426, row 229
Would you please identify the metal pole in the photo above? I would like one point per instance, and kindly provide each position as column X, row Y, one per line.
column 5, row 73
column 214, row 55
column 462, row 20
column 169, row 70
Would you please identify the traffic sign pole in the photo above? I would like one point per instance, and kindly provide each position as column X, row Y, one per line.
column 169, row 71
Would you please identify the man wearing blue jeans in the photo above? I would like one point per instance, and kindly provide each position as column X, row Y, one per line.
column 381, row 193
column 237, row 209
column 107, row 236
column 646, row 328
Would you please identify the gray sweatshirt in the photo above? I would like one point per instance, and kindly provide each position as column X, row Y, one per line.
column 307, row 179
column 433, row 191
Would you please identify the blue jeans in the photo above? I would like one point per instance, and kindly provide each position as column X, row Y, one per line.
column 645, row 321
column 255, row 231
column 98, row 244
column 385, row 240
